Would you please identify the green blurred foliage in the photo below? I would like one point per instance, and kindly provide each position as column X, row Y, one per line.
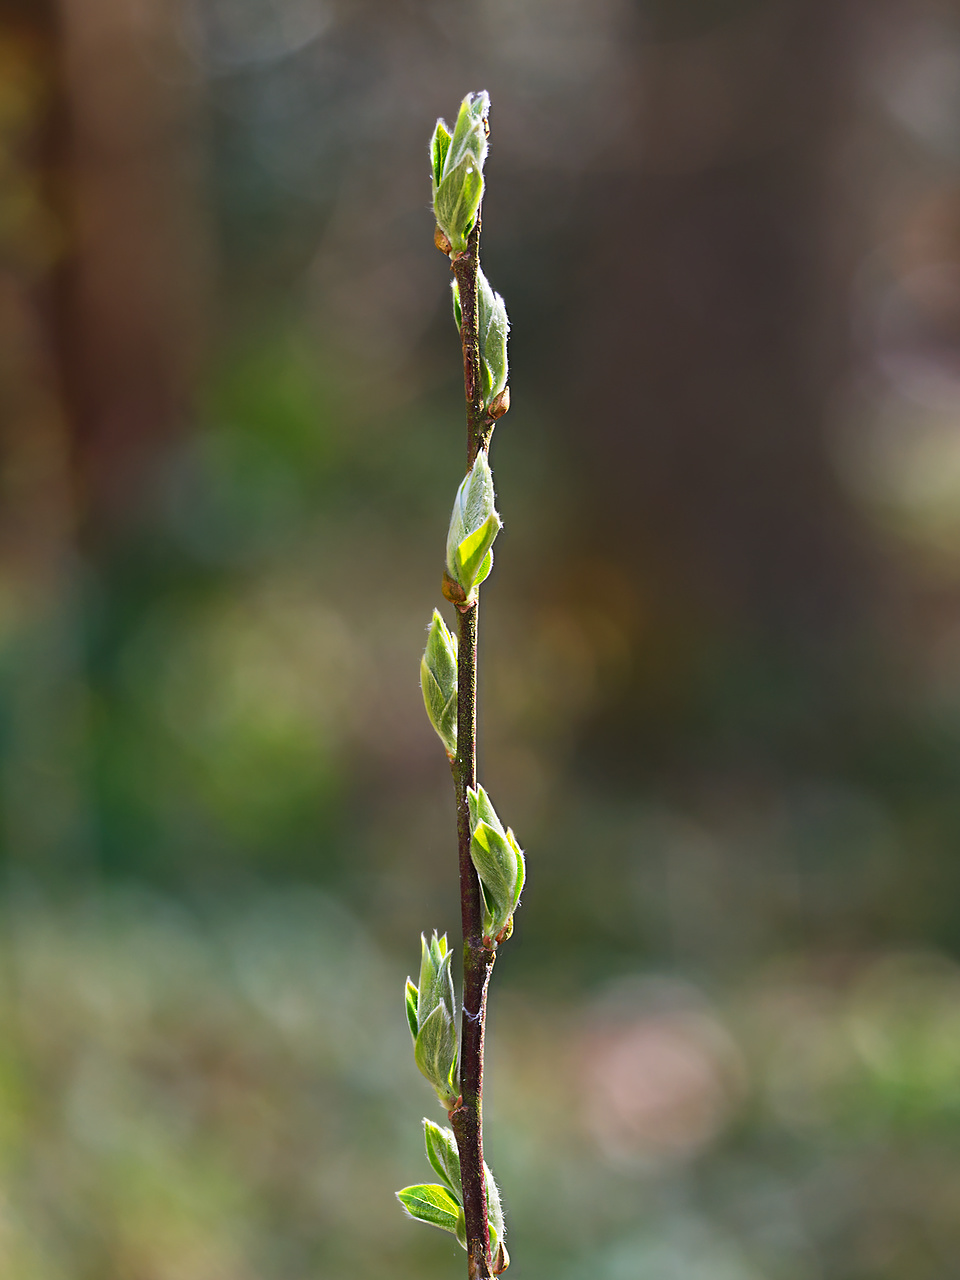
column 719, row 701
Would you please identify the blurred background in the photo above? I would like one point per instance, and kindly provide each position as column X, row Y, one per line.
column 720, row 697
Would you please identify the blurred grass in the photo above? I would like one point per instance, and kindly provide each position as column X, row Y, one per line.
column 224, row 1090
column 714, row 1049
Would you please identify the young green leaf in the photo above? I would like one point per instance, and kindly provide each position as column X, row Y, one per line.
column 436, row 978
column 410, row 1001
column 470, row 131
column 443, row 1154
column 435, row 1053
column 474, row 524
column 472, row 553
column 501, row 874
column 432, row 1204
column 493, row 329
column 498, row 860
column 457, row 163
column 438, row 682
column 439, row 145
column 494, row 1209
column 456, row 203
column 483, row 572
column 482, row 810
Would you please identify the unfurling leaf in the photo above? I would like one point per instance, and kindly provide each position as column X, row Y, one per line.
column 498, row 860
column 474, row 524
column 434, row 1205
column 436, row 979
column 431, row 1011
column 443, row 1154
column 456, row 162
column 494, row 1210
column 492, row 329
column 438, row 682
column 435, row 1053
column 439, row 145
column 410, row 998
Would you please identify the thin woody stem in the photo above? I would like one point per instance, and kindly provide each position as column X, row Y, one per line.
column 467, row 1116
column 465, row 267
column 478, row 961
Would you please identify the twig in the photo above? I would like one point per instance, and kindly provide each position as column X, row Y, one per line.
column 478, row 959
column 491, row 863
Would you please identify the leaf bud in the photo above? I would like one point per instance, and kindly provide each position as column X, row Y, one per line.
column 435, row 1053
column 499, row 405
column 474, row 525
column 457, row 169
column 431, row 1012
column 436, row 978
column 498, row 860
column 492, row 329
column 438, row 682
column 453, row 591
column 444, row 1156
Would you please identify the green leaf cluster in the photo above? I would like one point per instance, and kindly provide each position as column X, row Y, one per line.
column 457, row 169
column 438, row 682
column 431, row 1015
column 498, row 860
column 474, row 525
column 442, row 1205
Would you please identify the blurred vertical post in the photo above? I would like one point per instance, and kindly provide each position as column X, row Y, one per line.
column 135, row 290
column 98, row 299
column 35, row 509
column 40, row 800
column 728, row 223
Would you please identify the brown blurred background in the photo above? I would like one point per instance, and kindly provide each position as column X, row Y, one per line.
column 721, row 685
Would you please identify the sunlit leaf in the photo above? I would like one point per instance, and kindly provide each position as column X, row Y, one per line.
column 433, row 1204
column 443, row 1155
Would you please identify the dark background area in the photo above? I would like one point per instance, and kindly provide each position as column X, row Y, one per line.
column 720, row 696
